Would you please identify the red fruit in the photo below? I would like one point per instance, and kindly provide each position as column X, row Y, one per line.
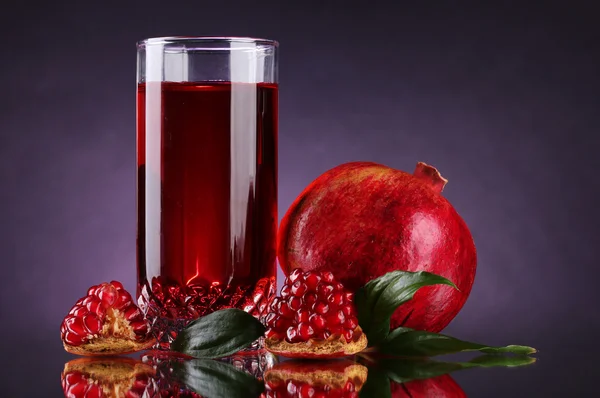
column 107, row 377
column 332, row 379
column 305, row 326
column 105, row 322
column 440, row 386
column 361, row 220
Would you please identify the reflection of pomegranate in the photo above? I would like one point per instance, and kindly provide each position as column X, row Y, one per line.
column 332, row 378
column 107, row 377
column 105, row 322
column 360, row 220
column 437, row 387
column 314, row 317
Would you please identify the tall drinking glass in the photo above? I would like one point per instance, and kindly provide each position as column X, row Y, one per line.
column 207, row 177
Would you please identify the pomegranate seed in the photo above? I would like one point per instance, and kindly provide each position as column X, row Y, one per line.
column 285, row 291
column 291, row 387
column 349, row 297
column 310, row 298
column 291, row 335
column 75, row 325
column 302, row 316
column 336, row 318
column 295, row 275
column 348, row 335
column 93, row 391
column 317, row 321
column 95, row 306
column 327, row 276
column 73, row 378
column 77, row 390
column 298, row 288
column 350, row 323
column 320, row 308
column 78, row 310
column 108, row 294
column 132, row 312
column 73, row 338
column 320, row 395
column 312, row 280
column 92, row 323
column 275, row 304
column 270, row 320
column 139, row 326
column 305, row 331
column 306, row 391
column 324, row 290
column 336, row 299
column 281, row 324
column 295, row 303
column 285, row 311
column 117, row 285
column 349, row 386
column 123, row 299
column 270, row 333
column 92, row 291
column 347, row 309
column 338, row 287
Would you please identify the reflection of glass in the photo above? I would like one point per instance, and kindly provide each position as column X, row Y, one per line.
column 335, row 378
column 207, row 177
column 231, row 377
column 108, row 377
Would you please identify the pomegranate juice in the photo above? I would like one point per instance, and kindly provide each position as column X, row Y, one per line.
column 207, row 199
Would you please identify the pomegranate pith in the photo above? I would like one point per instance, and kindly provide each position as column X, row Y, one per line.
column 313, row 317
column 105, row 322
column 360, row 220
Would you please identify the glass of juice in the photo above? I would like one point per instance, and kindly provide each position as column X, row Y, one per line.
column 207, row 177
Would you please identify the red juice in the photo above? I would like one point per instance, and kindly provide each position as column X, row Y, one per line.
column 207, row 199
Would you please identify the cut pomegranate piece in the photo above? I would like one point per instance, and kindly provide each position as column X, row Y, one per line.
column 105, row 322
column 336, row 378
column 313, row 318
column 107, row 377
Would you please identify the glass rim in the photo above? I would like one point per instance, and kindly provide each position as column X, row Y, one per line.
column 153, row 41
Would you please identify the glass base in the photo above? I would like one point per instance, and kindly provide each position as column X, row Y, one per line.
column 170, row 308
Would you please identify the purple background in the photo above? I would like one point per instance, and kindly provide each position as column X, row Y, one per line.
column 503, row 100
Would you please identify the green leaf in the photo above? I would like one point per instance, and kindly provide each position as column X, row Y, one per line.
column 218, row 334
column 408, row 342
column 403, row 370
column 378, row 299
column 213, row 379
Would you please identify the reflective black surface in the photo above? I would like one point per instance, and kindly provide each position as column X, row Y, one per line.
column 563, row 368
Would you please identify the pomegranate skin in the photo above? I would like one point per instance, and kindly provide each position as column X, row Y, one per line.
column 361, row 220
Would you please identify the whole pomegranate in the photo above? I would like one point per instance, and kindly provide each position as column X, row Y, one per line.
column 361, row 220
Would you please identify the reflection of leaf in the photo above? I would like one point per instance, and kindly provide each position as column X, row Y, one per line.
column 402, row 370
column 378, row 299
column 214, row 379
column 409, row 342
column 489, row 361
column 218, row 334
column 377, row 384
